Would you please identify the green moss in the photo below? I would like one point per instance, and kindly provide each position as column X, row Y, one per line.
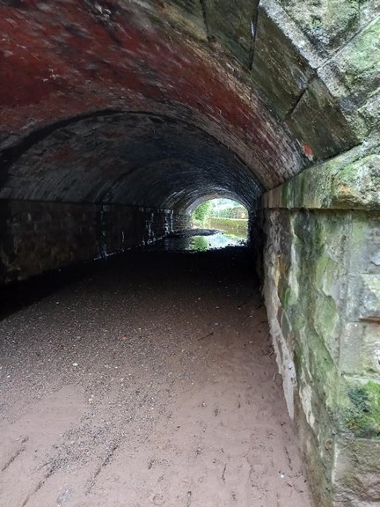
column 363, row 416
column 316, row 23
column 323, row 370
column 287, row 298
column 357, row 184
column 364, row 54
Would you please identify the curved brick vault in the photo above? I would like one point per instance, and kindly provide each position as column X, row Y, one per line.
column 118, row 116
column 89, row 65
column 80, row 63
column 129, row 158
column 68, row 68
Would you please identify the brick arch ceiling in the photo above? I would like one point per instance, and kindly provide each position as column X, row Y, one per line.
column 108, row 102
column 129, row 158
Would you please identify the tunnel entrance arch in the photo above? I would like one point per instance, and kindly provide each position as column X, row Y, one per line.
column 268, row 96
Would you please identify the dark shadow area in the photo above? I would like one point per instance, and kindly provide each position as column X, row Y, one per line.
column 167, row 259
column 18, row 295
column 57, row 163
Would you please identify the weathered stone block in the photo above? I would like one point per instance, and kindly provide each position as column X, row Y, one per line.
column 357, row 65
column 328, row 23
column 365, row 244
column 357, row 473
column 280, row 70
column 370, row 310
column 317, row 369
column 349, row 181
column 363, row 298
column 318, row 119
column 358, row 409
column 358, row 184
column 318, row 454
column 370, row 112
column 321, row 273
column 360, row 349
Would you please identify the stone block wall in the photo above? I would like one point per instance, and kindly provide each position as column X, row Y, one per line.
column 41, row 236
column 322, row 290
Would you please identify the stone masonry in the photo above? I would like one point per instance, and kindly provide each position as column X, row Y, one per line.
column 323, row 297
column 42, row 236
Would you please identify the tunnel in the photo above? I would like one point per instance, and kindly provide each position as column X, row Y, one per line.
column 119, row 117
column 142, row 160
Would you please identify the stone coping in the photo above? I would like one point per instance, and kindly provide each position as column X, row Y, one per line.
column 350, row 181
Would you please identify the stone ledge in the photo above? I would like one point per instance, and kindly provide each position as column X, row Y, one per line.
column 348, row 182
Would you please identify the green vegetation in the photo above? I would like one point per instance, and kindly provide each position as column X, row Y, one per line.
column 363, row 417
column 238, row 227
column 200, row 243
column 222, row 214
column 201, row 213
column 233, row 211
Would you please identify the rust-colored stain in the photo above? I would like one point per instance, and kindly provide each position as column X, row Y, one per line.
column 66, row 48
column 308, row 151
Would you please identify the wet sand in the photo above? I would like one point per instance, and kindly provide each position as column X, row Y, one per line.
column 149, row 381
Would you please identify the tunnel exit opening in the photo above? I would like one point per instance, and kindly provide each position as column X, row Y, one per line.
column 213, row 224
column 222, row 214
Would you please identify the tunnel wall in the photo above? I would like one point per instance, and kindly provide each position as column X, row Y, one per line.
column 42, row 236
column 322, row 290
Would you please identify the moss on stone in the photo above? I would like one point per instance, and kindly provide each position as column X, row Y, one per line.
column 327, row 23
column 288, row 299
column 363, row 59
column 350, row 181
column 363, row 416
column 357, row 185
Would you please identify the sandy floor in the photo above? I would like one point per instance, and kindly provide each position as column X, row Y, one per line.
column 140, row 386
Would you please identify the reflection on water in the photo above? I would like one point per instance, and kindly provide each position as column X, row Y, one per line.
column 214, row 242
column 198, row 243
